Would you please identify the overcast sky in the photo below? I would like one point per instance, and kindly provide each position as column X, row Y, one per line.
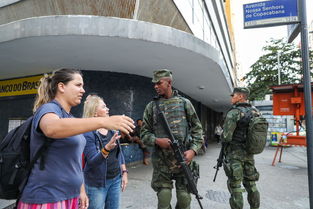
column 249, row 42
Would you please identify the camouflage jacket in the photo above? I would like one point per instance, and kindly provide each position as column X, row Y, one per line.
column 183, row 121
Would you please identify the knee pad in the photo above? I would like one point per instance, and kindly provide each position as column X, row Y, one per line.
column 236, row 200
column 250, row 186
column 253, row 194
column 183, row 199
column 164, row 197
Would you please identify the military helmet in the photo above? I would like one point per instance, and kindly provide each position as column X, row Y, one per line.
column 243, row 90
column 162, row 73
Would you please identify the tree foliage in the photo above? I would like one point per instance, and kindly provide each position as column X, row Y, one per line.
column 264, row 71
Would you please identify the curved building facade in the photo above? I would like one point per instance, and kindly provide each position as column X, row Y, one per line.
column 117, row 44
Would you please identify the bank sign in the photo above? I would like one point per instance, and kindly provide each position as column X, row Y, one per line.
column 20, row 86
column 270, row 13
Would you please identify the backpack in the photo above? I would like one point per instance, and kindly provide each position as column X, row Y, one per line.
column 256, row 130
column 15, row 163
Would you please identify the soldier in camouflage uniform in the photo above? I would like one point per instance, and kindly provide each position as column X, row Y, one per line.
column 239, row 165
column 186, row 128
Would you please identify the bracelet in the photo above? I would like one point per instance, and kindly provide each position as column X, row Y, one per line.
column 105, row 151
column 124, row 171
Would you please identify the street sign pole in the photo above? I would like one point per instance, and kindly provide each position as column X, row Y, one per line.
column 307, row 94
column 279, row 67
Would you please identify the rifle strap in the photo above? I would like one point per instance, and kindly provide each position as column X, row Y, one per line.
column 157, row 104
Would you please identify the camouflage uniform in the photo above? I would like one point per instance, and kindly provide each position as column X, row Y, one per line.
column 187, row 129
column 239, row 165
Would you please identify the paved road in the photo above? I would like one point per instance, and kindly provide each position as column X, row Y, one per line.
column 284, row 186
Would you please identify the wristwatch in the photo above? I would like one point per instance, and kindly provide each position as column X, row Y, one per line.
column 124, row 171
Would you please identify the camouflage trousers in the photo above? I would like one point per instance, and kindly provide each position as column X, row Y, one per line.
column 162, row 183
column 239, row 168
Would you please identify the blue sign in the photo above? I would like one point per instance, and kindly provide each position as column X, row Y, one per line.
column 270, row 13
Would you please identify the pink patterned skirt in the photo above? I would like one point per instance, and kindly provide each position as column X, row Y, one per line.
column 65, row 204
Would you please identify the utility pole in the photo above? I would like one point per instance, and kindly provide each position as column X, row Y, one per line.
column 279, row 67
column 307, row 94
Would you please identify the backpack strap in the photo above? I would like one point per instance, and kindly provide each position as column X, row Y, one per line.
column 244, row 120
column 243, row 110
column 41, row 153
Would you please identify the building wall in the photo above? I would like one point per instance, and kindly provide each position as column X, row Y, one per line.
column 163, row 12
column 207, row 21
column 123, row 93
column 156, row 11
column 34, row 8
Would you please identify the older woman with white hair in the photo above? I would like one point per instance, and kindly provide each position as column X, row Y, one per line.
column 105, row 170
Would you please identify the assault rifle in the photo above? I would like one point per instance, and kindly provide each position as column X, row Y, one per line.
column 219, row 161
column 179, row 156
